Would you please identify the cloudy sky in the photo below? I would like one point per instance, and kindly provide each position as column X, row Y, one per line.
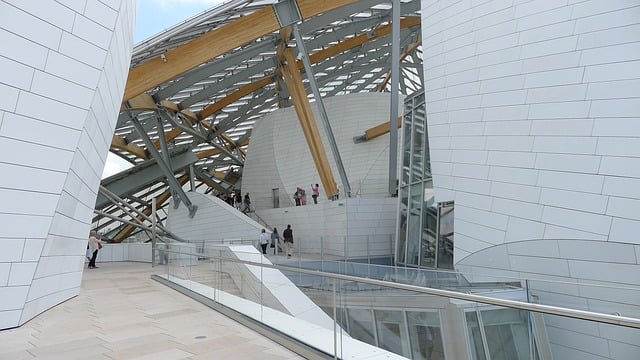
column 155, row 16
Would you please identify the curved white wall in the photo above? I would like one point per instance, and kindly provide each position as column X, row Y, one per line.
column 279, row 156
column 64, row 67
column 533, row 110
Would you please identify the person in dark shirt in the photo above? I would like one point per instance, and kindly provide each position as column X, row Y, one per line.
column 288, row 240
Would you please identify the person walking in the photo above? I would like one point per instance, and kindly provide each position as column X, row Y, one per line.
column 275, row 240
column 264, row 241
column 296, row 196
column 315, row 192
column 303, row 197
column 247, row 203
column 288, row 240
column 94, row 246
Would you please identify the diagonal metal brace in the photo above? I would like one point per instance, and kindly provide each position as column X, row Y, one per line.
column 171, row 180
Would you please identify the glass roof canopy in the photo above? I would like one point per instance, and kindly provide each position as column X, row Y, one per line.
column 209, row 110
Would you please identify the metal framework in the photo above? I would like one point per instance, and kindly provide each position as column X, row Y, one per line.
column 200, row 87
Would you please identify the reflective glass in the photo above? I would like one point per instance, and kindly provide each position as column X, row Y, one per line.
column 413, row 240
column 445, row 236
column 425, row 335
column 417, row 150
column 429, row 227
column 360, row 325
column 391, row 329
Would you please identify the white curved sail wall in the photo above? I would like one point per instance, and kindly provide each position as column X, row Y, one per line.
column 534, row 129
column 64, row 68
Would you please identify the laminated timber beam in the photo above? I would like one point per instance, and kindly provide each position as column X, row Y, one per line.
column 293, row 80
column 120, row 143
column 376, row 131
column 315, row 58
column 215, row 43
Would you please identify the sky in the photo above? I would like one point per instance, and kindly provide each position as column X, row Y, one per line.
column 155, row 16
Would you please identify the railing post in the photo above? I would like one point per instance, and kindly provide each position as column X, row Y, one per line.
column 322, row 253
column 153, row 232
column 335, row 323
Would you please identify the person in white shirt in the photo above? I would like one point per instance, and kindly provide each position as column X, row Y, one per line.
column 94, row 246
column 264, row 241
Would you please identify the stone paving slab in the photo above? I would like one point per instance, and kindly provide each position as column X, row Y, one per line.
column 121, row 313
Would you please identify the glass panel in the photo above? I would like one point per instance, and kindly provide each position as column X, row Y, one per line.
column 429, row 227
column 406, row 149
column 425, row 335
column 507, row 333
column 475, row 336
column 445, row 236
column 361, row 325
column 413, row 240
column 391, row 327
column 402, row 229
column 420, row 117
column 417, row 149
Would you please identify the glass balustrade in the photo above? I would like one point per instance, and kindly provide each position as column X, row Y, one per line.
column 352, row 309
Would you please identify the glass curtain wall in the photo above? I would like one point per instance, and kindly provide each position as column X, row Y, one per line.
column 420, row 243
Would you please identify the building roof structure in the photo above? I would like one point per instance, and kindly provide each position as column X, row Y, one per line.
column 195, row 91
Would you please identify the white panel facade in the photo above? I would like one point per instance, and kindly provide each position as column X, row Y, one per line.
column 65, row 67
column 279, row 157
column 551, row 92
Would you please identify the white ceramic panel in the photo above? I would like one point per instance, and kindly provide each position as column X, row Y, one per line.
column 32, row 249
column 58, row 74
column 523, row 229
column 11, row 249
column 31, row 27
column 82, row 50
column 5, row 269
column 578, row 63
column 13, row 297
column 72, row 70
column 22, row 273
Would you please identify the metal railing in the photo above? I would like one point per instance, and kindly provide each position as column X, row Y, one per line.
column 217, row 263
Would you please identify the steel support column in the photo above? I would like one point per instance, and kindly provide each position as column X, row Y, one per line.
column 393, row 116
column 322, row 110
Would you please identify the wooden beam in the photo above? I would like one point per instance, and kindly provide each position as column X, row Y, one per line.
column 118, row 142
column 200, row 50
column 215, row 43
column 356, row 41
column 141, row 102
column 411, row 48
column 234, row 96
column 293, row 80
column 314, row 58
column 214, row 152
column 309, row 8
column 380, row 130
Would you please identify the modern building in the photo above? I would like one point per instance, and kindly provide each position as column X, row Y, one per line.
column 64, row 68
column 517, row 153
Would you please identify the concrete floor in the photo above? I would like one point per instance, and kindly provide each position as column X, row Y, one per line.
column 121, row 313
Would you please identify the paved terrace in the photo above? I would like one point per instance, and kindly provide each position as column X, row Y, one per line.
column 122, row 314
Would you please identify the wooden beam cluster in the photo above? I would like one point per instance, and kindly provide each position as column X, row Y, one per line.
column 293, row 80
column 215, row 43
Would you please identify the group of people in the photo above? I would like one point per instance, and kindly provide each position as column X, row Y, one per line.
column 235, row 199
column 300, row 196
column 287, row 236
